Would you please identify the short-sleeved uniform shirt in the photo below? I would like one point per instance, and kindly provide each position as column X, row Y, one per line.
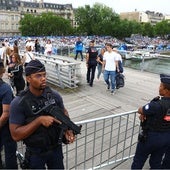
column 6, row 94
column 152, row 108
column 18, row 112
column 157, row 109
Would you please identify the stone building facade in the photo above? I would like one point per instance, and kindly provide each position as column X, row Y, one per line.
column 11, row 11
column 143, row 17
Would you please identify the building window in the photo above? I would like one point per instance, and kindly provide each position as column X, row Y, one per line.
column 12, row 17
column 6, row 26
column 12, row 26
column 2, row 26
column 17, row 18
column 140, row 19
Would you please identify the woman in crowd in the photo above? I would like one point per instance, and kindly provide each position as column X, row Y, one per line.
column 28, row 56
column 100, row 62
column 48, row 47
column 15, row 73
column 37, row 46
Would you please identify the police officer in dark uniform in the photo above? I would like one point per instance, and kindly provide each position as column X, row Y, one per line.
column 155, row 122
column 40, row 131
column 6, row 140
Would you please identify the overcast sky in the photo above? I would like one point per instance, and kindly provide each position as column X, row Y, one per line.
column 123, row 5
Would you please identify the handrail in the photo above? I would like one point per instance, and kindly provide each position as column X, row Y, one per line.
column 62, row 72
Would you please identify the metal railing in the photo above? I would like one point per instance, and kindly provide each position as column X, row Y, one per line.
column 103, row 142
column 62, row 72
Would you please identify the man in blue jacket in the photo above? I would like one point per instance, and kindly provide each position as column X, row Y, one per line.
column 79, row 49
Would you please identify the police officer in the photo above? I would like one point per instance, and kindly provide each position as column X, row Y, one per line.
column 6, row 140
column 41, row 132
column 155, row 135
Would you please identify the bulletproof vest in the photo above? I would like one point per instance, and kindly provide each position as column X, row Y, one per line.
column 1, row 82
column 43, row 137
column 161, row 121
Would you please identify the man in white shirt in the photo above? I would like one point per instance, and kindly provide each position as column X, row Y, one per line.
column 110, row 65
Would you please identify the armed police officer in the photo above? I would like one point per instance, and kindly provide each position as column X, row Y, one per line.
column 155, row 121
column 6, row 140
column 40, row 131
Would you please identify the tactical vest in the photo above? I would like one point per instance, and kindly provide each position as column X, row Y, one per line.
column 1, row 82
column 43, row 137
column 159, row 122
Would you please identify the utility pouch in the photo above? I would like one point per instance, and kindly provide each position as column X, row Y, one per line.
column 142, row 137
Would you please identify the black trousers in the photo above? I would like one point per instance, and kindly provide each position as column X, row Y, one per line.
column 10, row 147
column 91, row 73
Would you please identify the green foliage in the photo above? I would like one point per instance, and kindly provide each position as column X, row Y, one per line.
column 96, row 20
column 162, row 28
column 45, row 24
column 148, row 29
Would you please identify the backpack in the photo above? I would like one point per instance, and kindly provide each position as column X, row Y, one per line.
column 120, row 82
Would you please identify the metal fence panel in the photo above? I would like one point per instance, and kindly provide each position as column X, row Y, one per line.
column 103, row 142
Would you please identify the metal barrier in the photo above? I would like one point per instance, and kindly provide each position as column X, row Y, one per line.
column 61, row 72
column 104, row 141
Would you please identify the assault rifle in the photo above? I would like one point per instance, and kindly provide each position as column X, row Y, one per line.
column 58, row 114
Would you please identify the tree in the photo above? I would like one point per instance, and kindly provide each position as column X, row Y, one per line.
column 98, row 20
column 45, row 24
column 162, row 28
column 148, row 29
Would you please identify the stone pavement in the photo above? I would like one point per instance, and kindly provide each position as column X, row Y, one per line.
column 85, row 101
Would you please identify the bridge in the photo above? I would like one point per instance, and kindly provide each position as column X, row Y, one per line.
column 110, row 122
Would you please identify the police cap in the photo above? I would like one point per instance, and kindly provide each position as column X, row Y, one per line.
column 34, row 66
column 165, row 78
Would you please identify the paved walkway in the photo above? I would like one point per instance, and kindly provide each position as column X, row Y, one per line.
column 84, row 102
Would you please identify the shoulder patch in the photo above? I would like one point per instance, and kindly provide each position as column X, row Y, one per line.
column 147, row 107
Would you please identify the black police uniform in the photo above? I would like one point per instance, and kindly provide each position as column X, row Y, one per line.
column 6, row 140
column 156, row 134
column 44, row 145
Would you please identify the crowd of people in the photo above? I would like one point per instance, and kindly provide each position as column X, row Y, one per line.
column 92, row 54
column 19, row 119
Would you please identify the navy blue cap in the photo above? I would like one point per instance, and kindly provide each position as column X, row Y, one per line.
column 165, row 78
column 34, row 66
